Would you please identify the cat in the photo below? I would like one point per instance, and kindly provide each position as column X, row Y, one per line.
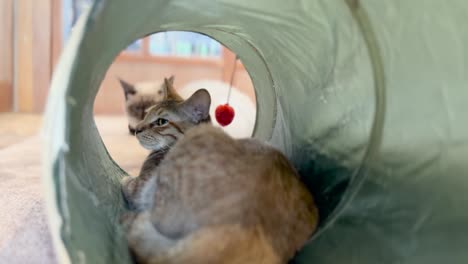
column 205, row 197
column 140, row 97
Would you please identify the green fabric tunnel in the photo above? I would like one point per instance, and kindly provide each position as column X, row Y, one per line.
column 388, row 166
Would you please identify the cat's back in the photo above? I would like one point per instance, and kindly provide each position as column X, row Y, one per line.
column 210, row 148
column 206, row 154
column 224, row 180
column 204, row 138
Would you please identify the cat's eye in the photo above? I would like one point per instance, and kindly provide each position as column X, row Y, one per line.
column 161, row 122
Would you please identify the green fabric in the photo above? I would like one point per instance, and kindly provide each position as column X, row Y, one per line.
column 316, row 101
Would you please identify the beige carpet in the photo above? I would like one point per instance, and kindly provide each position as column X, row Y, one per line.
column 24, row 236
column 15, row 128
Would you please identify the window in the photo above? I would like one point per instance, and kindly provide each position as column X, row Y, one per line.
column 71, row 10
column 183, row 44
column 164, row 44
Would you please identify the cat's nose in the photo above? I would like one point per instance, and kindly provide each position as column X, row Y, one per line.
column 131, row 130
column 138, row 130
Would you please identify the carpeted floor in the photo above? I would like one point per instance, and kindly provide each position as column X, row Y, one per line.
column 24, row 236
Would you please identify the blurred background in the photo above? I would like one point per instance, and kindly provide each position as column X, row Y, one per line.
column 33, row 34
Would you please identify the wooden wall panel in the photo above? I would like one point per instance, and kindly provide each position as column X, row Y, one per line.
column 42, row 53
column 23, row 58
column 33, row 53
column 6, row 55
column 56, row 21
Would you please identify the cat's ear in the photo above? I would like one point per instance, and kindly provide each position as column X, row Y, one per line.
column 168, row 90
column 128, row 88
column 164, row 90
column 197, row 106
column 170, row 80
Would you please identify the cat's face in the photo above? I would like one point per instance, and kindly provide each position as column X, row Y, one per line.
column 140, row 97
column 168, row 120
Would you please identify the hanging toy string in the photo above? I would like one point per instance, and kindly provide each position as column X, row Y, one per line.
column 225, row 113
column 233, row 73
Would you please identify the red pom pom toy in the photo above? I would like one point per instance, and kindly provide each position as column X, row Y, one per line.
column 224, row 114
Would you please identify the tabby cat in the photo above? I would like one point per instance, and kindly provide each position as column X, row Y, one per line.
column 203, row 197
column 140, row 97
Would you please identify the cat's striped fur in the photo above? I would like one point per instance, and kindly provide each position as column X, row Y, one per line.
column 142, row 96
column 181, row 116
column 204, row 197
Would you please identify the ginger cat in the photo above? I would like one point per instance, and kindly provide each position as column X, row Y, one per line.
column 203, row 197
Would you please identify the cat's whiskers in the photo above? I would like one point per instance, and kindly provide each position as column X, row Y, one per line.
column 167, row 135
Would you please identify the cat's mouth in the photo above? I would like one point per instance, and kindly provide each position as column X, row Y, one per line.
column 149, row 142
